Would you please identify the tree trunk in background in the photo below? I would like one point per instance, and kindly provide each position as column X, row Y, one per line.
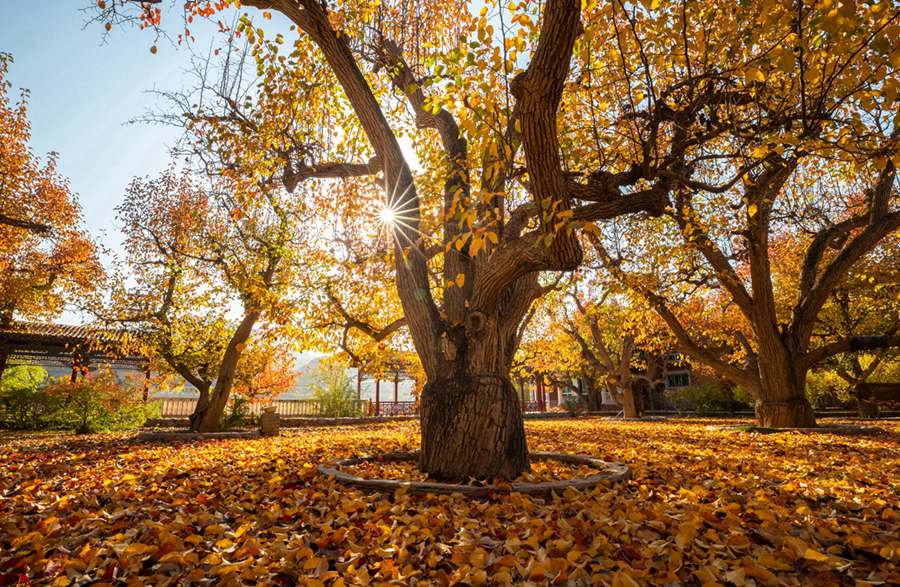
column 782, row 401
column 630, row 407
column 210, row 418
column 591, row 394
column 4, row 361
column 199, row 408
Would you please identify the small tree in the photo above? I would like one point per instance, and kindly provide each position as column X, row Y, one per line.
column 193, row 257
column 331, row 387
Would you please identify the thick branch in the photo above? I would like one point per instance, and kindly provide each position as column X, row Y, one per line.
column 848, row 345
column 32, row 226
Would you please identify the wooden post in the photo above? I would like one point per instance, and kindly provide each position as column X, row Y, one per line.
column 539, row 391
column 377, row 396
column 396, row 386
column 358, row 383
column 145, row 388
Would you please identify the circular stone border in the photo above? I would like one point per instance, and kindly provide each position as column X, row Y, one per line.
column 612, row 472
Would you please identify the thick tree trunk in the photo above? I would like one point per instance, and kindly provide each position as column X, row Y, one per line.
column 593, row 397
column 210, row 420
column 472, row 427
column 629, row 403
column 782, row 401
column 200, row 408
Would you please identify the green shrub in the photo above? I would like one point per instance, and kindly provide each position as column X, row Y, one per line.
column 705, row 399
column 97, row 403
column 24, row 404
column 332, row 389
column 238, row 414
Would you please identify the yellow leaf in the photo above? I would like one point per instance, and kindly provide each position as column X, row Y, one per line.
column 814, row 555
column 460, row 279
column 752, row 209
column 754, row 74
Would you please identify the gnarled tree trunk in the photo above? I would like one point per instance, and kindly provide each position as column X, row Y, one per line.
column 208, row 418
column 782, row 401
column 471, row 415
column 472, row 427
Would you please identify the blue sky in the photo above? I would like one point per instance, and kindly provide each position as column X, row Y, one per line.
column 85, row 87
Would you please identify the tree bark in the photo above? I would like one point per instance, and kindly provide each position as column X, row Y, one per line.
column 472, row 427
column 209, row 418
column 782, row 401
column 200, row 408
column 629, row 404
column 592, row 395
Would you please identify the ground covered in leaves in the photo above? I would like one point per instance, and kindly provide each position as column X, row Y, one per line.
column 705, row 506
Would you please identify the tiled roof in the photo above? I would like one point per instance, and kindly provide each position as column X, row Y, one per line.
column 63, row 333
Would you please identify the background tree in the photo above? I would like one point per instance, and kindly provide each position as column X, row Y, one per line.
column 616, row 344
column 203, row 274
column 267, row 368
column 46, row 258
column 813, row 155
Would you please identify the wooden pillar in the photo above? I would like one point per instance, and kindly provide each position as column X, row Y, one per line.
column 539, row 391
column 396, row 386
column 145, row 388
column 358, row 383
column 377, row 396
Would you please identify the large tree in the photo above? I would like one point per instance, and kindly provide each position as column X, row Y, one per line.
column 516, row 160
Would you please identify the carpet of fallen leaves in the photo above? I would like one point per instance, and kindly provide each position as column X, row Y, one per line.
column 705, row 506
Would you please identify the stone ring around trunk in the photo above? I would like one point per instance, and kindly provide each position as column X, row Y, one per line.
column 607, row 471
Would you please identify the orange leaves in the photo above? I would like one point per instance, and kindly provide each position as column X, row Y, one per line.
column 705, row 507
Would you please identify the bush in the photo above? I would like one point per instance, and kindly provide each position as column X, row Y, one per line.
column 97, row 403
column 24, row 405
column 334, row 392
column 239, row 416
column 705, row 399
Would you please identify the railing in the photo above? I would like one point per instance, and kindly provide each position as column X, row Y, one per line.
column 183, row 407
column 395, row 408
